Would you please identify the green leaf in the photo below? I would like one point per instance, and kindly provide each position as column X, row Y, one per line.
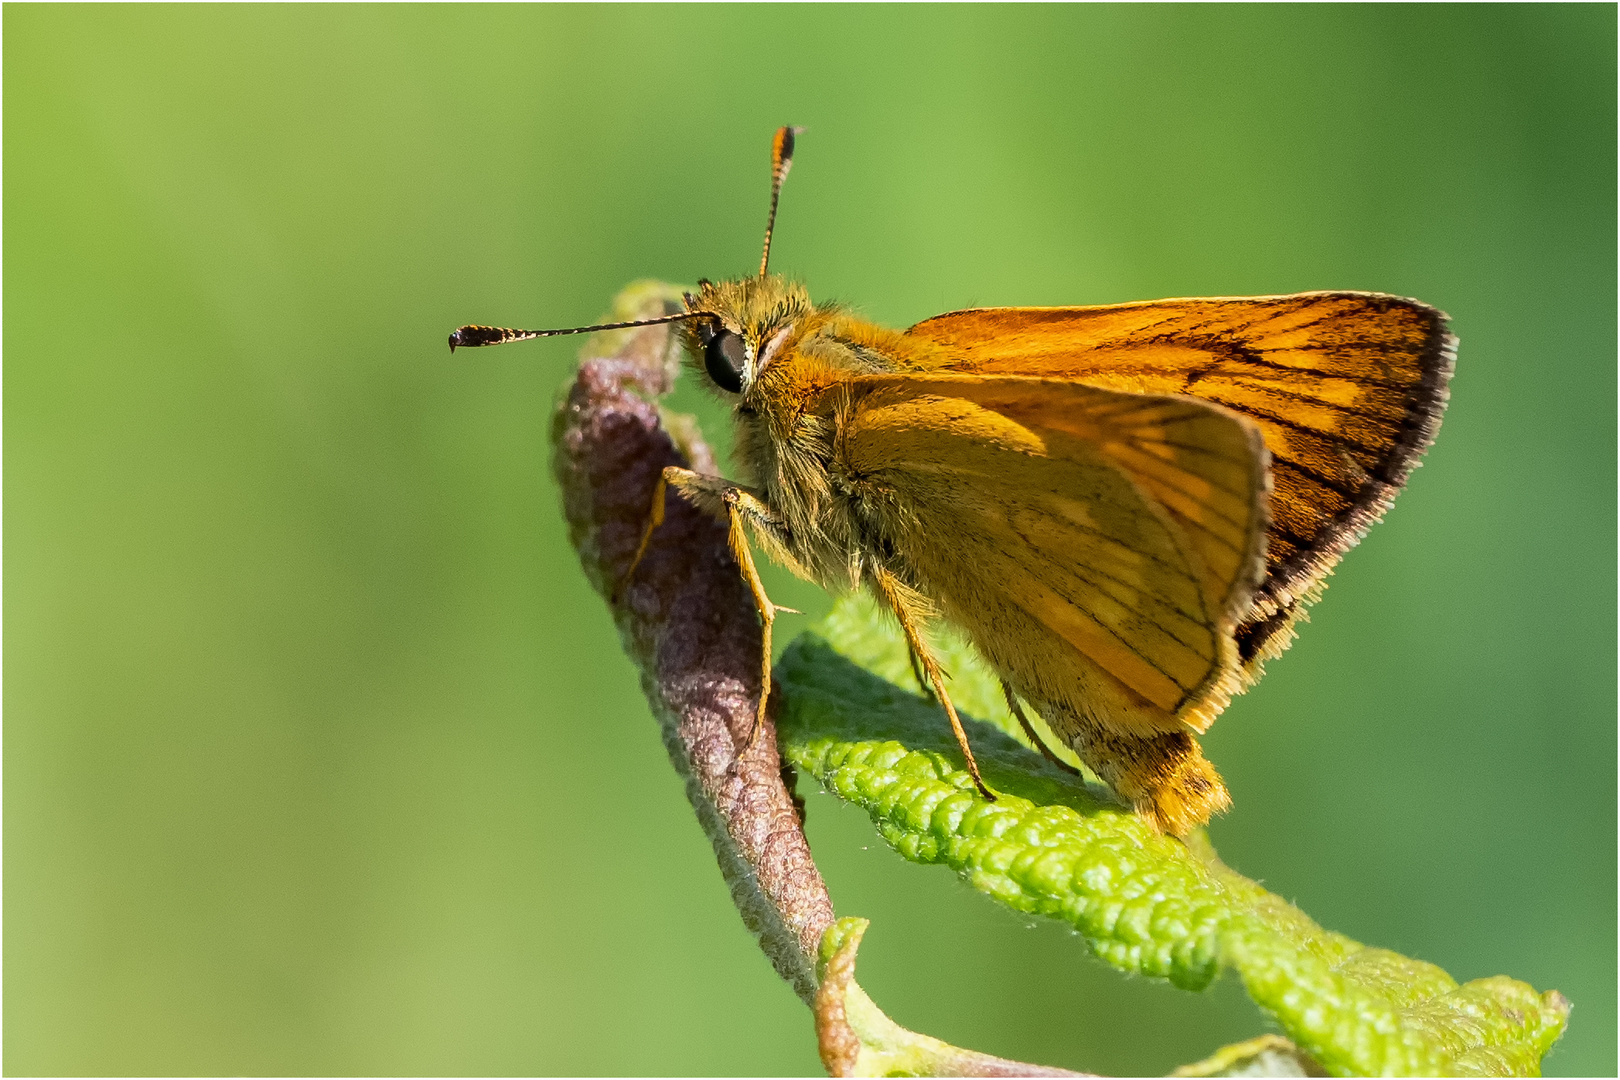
column 1056, row 845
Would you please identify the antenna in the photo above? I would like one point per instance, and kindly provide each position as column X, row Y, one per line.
column 472, row 337
column 781, row 162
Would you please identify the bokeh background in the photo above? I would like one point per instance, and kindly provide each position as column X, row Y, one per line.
column 320, row 755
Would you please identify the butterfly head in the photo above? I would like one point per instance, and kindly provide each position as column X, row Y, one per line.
column 752, row 319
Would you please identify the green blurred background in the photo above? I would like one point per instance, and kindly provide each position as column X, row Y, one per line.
column 320, row 755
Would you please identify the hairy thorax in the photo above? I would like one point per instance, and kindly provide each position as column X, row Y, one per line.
column 789, row 431
column 789, row 450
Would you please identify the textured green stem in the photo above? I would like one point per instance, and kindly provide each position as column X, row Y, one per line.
column 1146, row 903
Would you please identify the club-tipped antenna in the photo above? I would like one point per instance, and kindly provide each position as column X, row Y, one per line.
column 472, row 337
column 781, row 162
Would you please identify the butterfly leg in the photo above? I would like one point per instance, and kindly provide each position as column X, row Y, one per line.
column 905, row 609
column 740, row 504
column 655, row 518
column 921, row 676
column 1029, row 729
column 707, row 493
column 736, row 505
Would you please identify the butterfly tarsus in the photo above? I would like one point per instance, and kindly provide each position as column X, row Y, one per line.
column 921, row 677
column 1029, row 729
column 655, row 518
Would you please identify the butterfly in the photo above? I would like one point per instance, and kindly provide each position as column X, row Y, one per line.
column 1126, row 508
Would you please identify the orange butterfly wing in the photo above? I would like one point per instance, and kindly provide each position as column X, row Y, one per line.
column 1347, row 389
column 1128, row 526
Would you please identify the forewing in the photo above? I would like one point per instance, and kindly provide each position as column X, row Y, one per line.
column 1201, row 465
column 1347, row 389
column 1128, row 526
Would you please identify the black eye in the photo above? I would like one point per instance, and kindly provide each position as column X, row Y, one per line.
column 725, row 359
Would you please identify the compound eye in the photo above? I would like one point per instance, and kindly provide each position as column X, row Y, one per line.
column 725, row 359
